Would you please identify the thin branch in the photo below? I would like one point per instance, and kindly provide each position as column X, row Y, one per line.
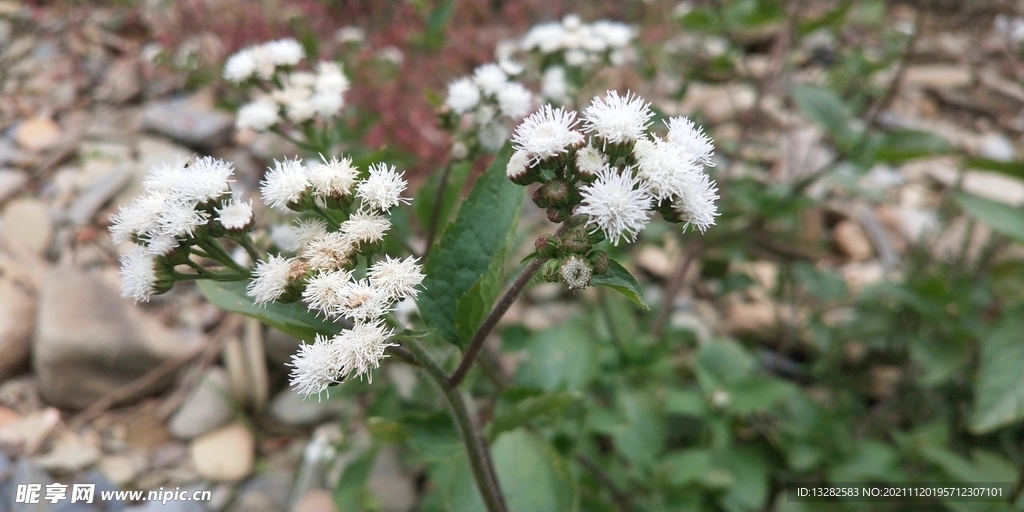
column 492, row 319
column 476, row 448
column 897, row 79
column 675, row 283
column 620, row 498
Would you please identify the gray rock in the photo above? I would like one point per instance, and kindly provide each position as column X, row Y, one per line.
column 17, row 314
column 265, row 489
column 208, row 407
column 120, row 82
column 290, row 408
column 393, row 487
column 27, row 224
column 189, row 122
column 102, row 484
column 253, row 501
column 997, row 147
column 11, row 182
column 90, row 341
column 86, row 205
column 170, row 506
column 224, row 455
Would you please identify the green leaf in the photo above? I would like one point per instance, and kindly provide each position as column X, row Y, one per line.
column 292, row 319
column 523, row 411
column 532, row 474
column 685, row 402
column 758, row 393
column 1014, row 168
column 749, row 471
column 721, row 363
column 387, row 431
column 426, row 198
column 999, row 395
column 472, row 249
column 1001, row 217
column 900, row 146
column 435, row 436
column 560, row 358
column 642, row 436
column 619, row 279
column 475, row 304
column 825, row 107
column 688, row 466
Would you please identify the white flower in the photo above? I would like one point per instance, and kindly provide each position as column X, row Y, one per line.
column 576, row 272
column 165, row 177
column 362, row 347
column 161, row 244
column 618, row 119
column 333, row 178
column 554, row 85
column 692, row 138
column 326, row 104
column 316, row 366
column 463, row 95
column 546, row 133
column 204, row 179
column 180, row 218
column 257, row 115
column 138, row 274
column 696, row 204
column 382, row 189
column 323, row 291
column 362, row 301
column 240, row 66
column 270, row 279
column 576, row 58
column 330, row 78
column 284, row 184
column 396, row 278
column 285, row 52
column 667, row 168
column 235, row 215
column 306, row 231
column 514, row 100
column 330, row 251
column 492, row 136
column 141, row 216
column 617, row 203
column 350, row 34
column 616, row 35
column 518, row 165
column 590, row 160
column 509, row 66
column 490, row 78
column 365, row 228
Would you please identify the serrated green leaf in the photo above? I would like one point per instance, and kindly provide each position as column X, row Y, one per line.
column 999, row 395
column 292, row 319
column 619, row 279
column 525, row 410
column 475, row 304
column 474, row 244
column 1001, row 217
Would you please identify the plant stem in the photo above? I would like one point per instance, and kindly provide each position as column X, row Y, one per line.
column 215, row 251
column 247, row 244
column 492, row 319
column 330, row 220
column 198, row 268
column 674, row 285
column 212, row 276
column 476, row 449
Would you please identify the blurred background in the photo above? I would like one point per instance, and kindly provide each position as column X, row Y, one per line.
column 856, row 315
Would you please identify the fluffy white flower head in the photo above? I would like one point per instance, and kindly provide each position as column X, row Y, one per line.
column 382, row 189
column 323, row 291
column 362, row 301
column 666, row 167
column 306, row 231
column 518, row 165
column 546, row 133
column 334, row 178
column 285, row 52
column 365, row 228
column 696, row 205
column 576, row 272
column 316, row 366
column 463, row 95
column 514, row 100
column 590, row 160
column 618, row 119
column 204, row 179
column 617, row 204
column 329, row 251
column 362, row 347
column 180, row 218
column 236, row 215
column 284, row 184
column 270, row 278
column 258, row 115
column 138, row 274
column 490, row 78
column 396, row 278
column 240, row 66
column 692, row 138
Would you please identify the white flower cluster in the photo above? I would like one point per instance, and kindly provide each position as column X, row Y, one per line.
column 183, row 201
column 322, row 273
column 288, row 94
column 570, row 46
column 488, row 96
column 620, row 171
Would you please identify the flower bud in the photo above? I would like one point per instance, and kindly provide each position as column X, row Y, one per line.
column 600, row 262
column 558, row 215
column 547, row 246
column 576, row 240
column 556, row 192
column 551, row 271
